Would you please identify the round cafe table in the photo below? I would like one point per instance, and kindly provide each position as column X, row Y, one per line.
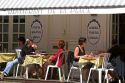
column 5, row 57
column 87, row 59
column 35, row 59
column 84, row 60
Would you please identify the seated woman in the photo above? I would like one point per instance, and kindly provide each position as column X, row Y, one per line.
column 79, row 51
column 32, row 68
column 52, row 59
column 31, row 44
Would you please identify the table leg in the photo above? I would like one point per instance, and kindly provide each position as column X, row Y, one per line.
column 100, row 76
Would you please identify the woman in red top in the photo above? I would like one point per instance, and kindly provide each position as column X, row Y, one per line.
column 61, row 45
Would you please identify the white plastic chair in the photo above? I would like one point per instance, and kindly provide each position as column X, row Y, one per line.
column 103, row 61
column 99, row 61
column 18, row 51
column 56, row 66
column 105, row 64
column 76, row 68
column 106, row 70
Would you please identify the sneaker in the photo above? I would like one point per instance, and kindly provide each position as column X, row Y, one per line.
column 2, row 75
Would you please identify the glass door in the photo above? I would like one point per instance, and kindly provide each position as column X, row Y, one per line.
column 118, row 29
column 4, row 30
column 115, row 28
column 11, row 27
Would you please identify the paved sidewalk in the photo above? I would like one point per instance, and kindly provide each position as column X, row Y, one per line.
column 8, row 82
column 20, row 80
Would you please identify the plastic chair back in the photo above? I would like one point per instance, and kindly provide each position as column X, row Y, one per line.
column 18, row 52
column 106, row 59
column 103, row 60
column 99, row 62
column 62, row 54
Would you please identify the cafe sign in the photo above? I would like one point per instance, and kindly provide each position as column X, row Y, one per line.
column 36, row 31
column 93, row 32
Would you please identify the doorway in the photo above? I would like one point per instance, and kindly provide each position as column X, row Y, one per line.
column 122, row 29
column 118, row 29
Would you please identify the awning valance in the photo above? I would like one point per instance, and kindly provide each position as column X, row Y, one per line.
column 38, row 7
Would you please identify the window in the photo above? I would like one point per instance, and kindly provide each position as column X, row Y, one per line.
column 11, row 28
column 115, row 28
column 18, row 29
column 118, row 29
column 4, row 30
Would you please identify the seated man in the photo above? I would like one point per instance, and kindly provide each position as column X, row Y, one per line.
column 117, row 61
column 24, row 51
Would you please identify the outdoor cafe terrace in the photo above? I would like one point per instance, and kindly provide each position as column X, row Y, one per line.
column 98, row 60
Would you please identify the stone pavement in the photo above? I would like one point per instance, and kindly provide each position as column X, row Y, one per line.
column 34, row 81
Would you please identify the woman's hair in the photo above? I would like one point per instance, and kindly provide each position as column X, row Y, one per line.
column 81, row 40
column 28, row 41
column 61, row 43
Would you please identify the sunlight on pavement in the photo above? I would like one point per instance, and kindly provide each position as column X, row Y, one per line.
column 8, row 82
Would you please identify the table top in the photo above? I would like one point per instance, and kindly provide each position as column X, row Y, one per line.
column 5, row 57
column 89, row 58
column 38, row 55
column 85, row 59
column 7, row 53
column 35, row 59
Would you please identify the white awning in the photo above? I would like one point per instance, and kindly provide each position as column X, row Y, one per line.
column 45, row 7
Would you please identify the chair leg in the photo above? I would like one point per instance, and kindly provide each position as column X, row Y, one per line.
column 17, row 70
column 100, row 76
column 26, row 72
column 106, row 76
column 119, row 81
column 69, row 74
column 46, row 73
column 80, row 75
column 63, row 73
column 21, row 71
column 59, row 73
column 72, row 74
column 14, row 72
column 51, row 72
column 89, row 75
column 123, row 80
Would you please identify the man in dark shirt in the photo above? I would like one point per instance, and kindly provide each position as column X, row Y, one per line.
column 25, row 50
column 117, row 59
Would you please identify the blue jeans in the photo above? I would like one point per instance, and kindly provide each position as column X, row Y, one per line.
column 76, row 64
column 9, row 66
